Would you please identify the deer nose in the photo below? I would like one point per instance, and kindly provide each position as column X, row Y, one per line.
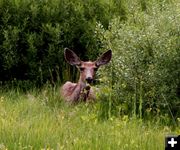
column 89, row 80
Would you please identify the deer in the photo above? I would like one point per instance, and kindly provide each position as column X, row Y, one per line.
column 82, row 90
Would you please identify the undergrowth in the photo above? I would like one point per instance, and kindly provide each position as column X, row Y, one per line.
column 41, row 120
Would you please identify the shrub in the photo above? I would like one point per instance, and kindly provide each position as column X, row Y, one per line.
column 33, row 35
column 144, row 73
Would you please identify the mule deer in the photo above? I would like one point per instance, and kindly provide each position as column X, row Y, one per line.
column 74, row 92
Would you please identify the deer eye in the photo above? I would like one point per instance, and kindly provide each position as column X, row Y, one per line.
column 81, row 69
column 95, row 69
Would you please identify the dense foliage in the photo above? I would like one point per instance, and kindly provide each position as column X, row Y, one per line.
column 145, row 70
column 33, row 35
column 144, row 35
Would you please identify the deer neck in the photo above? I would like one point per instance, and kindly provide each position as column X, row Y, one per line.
column 80, row 89
column 81, row 84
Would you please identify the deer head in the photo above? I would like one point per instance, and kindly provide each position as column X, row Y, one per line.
column 87, row 68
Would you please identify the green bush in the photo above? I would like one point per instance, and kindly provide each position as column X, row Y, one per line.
column 33, row 35
column 144, row 73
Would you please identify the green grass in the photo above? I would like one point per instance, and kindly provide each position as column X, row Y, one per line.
column 27, row 121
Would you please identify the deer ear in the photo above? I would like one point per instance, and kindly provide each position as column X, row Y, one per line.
column 71, row 57
column 104, row 58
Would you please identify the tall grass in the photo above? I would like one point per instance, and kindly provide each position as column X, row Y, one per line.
column 27, row 121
